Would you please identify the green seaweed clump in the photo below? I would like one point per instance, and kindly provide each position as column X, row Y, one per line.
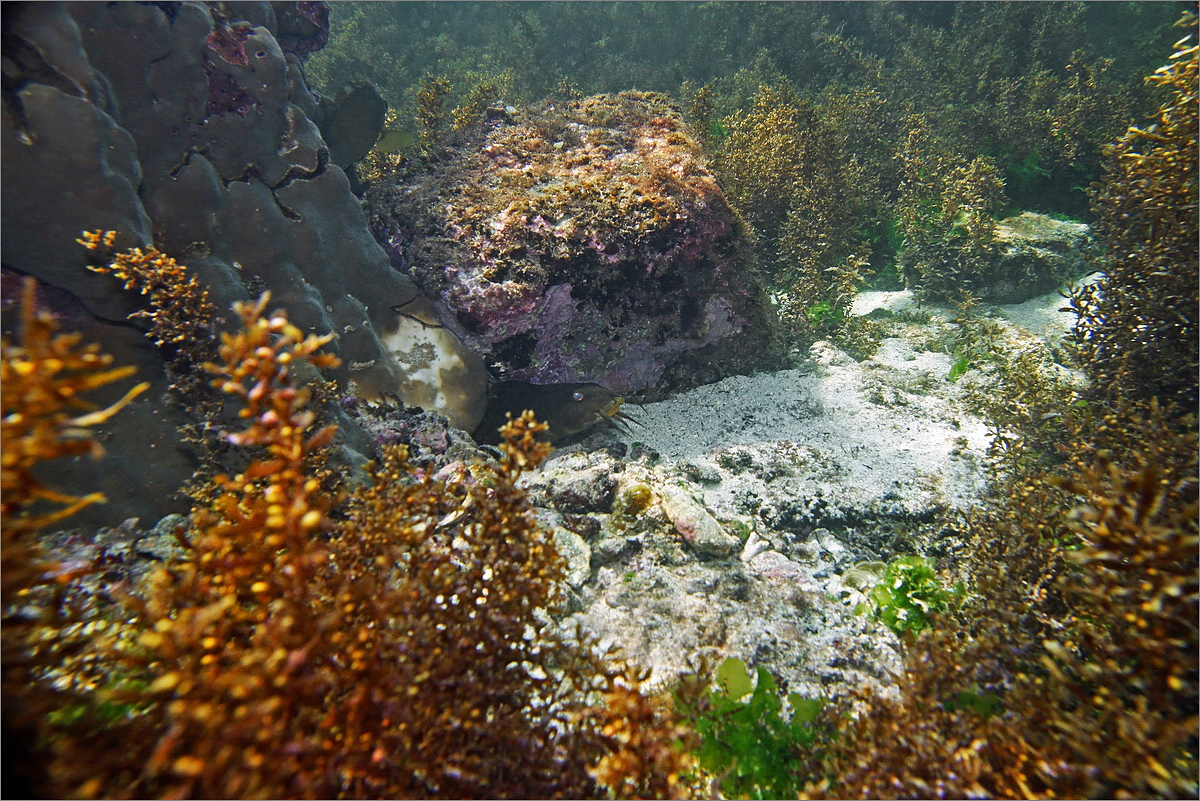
column 747, row 743
column 959, row 368
column 907, row 593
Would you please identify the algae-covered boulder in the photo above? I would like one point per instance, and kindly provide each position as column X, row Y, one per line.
column 1036, row 254
column 582, row 240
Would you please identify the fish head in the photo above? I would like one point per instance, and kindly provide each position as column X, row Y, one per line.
column 581, row 406
column 567, row 409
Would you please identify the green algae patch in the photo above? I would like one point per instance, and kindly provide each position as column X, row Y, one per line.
column 748, row 739
column 908, row 593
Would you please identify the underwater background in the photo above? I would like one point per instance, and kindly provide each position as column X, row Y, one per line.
column 780, row 400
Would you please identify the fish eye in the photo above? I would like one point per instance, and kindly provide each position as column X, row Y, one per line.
column 577, row 396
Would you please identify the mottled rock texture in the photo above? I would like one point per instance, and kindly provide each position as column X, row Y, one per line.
column 582, row 240
column 1036, row 254
column 188, row 127
column 665, row 593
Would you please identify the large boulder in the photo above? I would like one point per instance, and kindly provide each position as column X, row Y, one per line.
column 1037, row 254
column 582, row 240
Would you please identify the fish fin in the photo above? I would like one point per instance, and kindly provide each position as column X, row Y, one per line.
column 618, row 421
column 625, row 418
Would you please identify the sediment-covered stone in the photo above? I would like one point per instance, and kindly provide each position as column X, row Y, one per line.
column 1035, row 255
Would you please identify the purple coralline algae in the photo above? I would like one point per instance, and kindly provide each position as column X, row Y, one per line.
column 582, row 240
column 225, row 94
column 303, row 27
column 229, row 41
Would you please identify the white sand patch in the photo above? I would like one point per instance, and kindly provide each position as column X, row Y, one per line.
column 880, row 438
column 1046, row 317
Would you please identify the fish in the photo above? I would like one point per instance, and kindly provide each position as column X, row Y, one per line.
column 392, row 140
column 568, row 409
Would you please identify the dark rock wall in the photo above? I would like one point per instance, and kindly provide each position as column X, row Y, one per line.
column 190, row 129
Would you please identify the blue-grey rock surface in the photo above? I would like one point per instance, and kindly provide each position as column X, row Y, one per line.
column 195, row 133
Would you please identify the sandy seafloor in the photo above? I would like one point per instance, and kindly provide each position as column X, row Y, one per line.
column 834, row 404
column 828, row 465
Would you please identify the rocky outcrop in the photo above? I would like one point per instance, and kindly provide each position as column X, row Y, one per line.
column 1035, row 254
column 190, row 127
column 582, row 241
